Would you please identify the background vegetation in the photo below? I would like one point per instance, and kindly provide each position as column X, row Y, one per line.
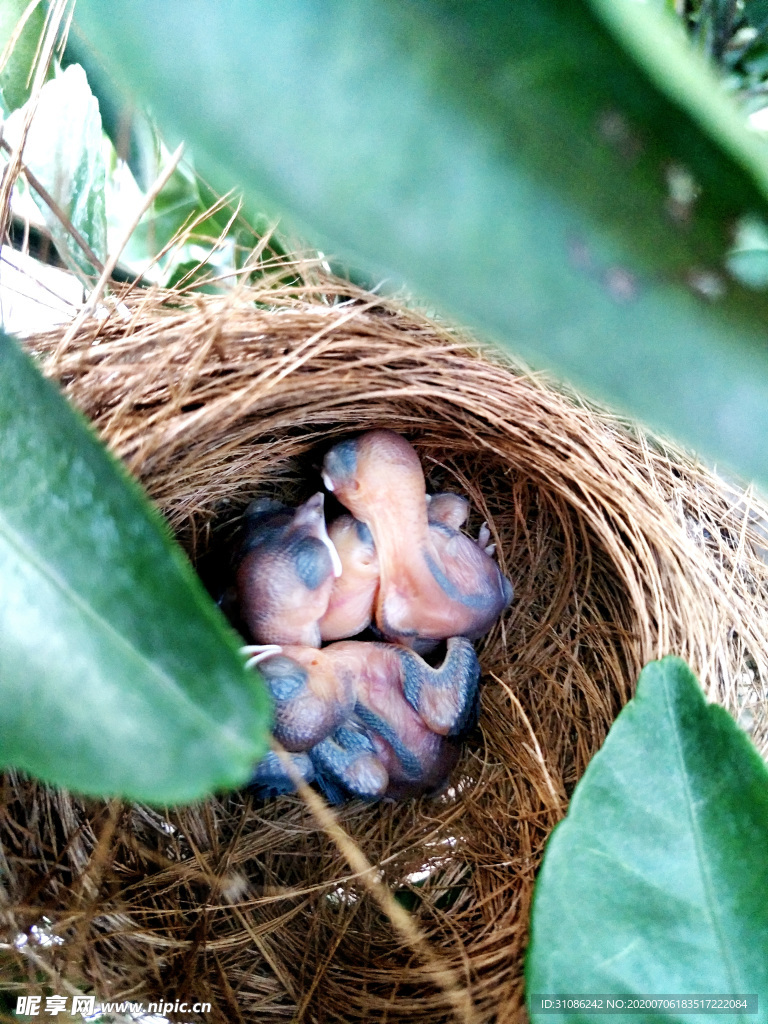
column 572, row 179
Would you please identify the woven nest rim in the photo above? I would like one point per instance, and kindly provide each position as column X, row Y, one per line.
column 621, row 549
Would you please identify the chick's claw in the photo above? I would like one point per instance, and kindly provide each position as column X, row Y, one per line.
column 435, row 582
column 286, row 571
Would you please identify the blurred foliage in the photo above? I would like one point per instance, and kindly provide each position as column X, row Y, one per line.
column 567, row 178
column 105, row 630
column 118, row 675
column 63, row 150
column 99, row 163
column 20, row 55
column 734, row 34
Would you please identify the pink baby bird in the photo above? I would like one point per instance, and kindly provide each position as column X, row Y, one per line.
column 435, row 582
column 350, row 609
column 374, row 717
column 286, row 572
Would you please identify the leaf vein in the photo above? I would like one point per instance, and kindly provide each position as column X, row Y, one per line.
column 700, row 850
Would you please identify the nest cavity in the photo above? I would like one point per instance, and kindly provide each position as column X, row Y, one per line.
column 620, row 547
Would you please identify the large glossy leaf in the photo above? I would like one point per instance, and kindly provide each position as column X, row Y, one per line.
column 574, row 195
column 654, row 883
column 15, row 77
column 117, row 673
column 63, row 150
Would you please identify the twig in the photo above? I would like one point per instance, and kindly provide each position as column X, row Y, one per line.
column 558, row 802
column 57, row 211
column 55, row 14
column 723, row 19
column 445, row 977
column 109, row 266
column 16, row 34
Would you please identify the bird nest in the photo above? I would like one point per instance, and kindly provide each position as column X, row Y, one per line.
column 621, row 549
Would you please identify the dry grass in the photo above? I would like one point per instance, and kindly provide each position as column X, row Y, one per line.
column 620, row 549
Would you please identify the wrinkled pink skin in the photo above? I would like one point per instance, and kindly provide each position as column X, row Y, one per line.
column 286, row 577
column 353, row 597
column 351, row 604
column 435, row 582
column 447, row 508
column 379, row 688
column 351, row 676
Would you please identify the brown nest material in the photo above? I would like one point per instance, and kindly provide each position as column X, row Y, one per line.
column 621, row 550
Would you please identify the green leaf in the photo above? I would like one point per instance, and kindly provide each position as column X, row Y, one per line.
column 514, row 162
column 756, row 14
column 15, row 78
column 191, row 273
column 63, row 150
column 128, row 128
column 654, row 882
column 185, row 200
column 118, row 675
column 174, row 207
